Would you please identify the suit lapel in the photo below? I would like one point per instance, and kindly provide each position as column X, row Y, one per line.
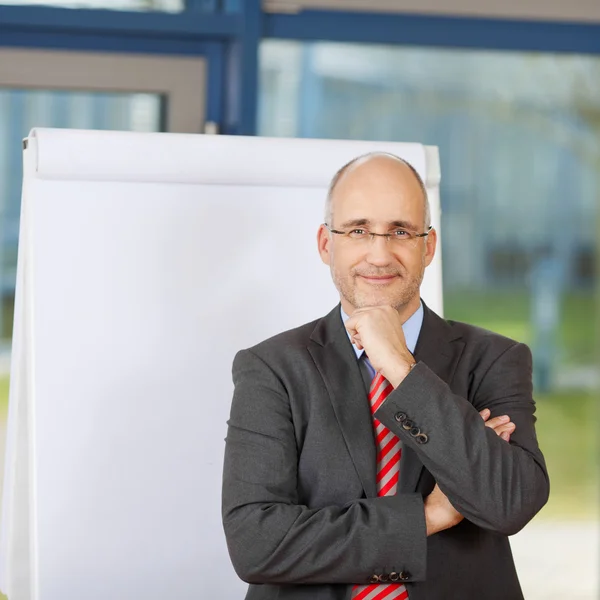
column 440, row 348
column 335, row 359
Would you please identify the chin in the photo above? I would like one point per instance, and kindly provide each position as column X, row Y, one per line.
column 364, row 301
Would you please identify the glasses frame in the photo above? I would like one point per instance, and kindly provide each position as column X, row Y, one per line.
column 372, row 235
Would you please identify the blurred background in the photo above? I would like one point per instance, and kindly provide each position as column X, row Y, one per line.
column 509, row 91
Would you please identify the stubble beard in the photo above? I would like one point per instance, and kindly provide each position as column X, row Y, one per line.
column 399, row 298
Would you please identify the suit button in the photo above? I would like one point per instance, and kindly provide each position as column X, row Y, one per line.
column 421, row 438
column 374, row 579
column 383, row 578
column 400, row 417
column 408, row 424
column 404, row 575
column 415, row 431
column 394, row 576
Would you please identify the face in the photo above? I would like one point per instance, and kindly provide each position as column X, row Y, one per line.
column 378, row 195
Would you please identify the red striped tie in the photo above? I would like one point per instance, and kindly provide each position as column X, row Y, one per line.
column 389, row 451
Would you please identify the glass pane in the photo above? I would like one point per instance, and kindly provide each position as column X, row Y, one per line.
column 519, row 137
column 142, row 5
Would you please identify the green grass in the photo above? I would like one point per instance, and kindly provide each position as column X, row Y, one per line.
column 509, row 313
column 567, row 430
column 3, row 414
column 3, row 398
column 568, row 422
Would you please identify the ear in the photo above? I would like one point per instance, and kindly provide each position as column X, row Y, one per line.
column 324, row 244
column 430, row 246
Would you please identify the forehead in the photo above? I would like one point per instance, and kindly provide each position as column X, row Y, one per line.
column 380, row 190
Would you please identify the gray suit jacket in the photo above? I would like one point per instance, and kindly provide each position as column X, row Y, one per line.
column 300, row 508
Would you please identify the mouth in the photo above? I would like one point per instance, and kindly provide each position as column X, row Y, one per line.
column 379, row 279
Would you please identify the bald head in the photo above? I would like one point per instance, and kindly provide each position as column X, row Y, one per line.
column 371, row 168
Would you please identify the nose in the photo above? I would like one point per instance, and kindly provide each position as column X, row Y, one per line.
column 379, row 253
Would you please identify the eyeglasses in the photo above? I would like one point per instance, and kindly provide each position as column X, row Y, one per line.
column 397, row 236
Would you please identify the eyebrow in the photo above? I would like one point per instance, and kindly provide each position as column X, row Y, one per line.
column 391, row 224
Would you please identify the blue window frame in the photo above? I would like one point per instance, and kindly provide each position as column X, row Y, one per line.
column 196, row 32
column 452, row 32
column 228, row 33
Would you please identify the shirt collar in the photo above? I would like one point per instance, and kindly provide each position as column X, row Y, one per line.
column 411, row 328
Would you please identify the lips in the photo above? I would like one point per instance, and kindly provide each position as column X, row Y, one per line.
column 379, row 278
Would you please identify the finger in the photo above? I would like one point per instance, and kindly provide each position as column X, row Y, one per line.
column 505, row 430
column 350, row 327
column 355, row 337
column 352, row 333
column 505, row 436
column 365, row 309
column 485, row 414
column 350, row 323
column 497, row 421
column 509, row 427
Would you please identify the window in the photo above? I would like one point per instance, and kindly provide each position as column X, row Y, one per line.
column 519, row 139
column 141, row 5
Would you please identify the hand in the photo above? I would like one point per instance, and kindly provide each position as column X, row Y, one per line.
column 378, row 329
column 439, row 513
column 502, row 425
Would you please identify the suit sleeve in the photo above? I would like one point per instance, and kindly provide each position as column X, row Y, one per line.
column 496, row 485
column 273, row 538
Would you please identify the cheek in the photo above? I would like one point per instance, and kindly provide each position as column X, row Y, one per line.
column 343, row 261
column 410, row 261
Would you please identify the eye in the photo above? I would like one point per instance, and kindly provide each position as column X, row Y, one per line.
column 357, row 233
column 401, row 233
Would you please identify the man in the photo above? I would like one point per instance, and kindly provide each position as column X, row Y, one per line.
column 358, row 464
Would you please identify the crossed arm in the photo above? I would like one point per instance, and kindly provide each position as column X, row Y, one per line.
column 273, row 538
column 497, row 486
column 439, row 512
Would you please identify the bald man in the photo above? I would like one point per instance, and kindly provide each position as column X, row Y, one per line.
column 381, row 451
